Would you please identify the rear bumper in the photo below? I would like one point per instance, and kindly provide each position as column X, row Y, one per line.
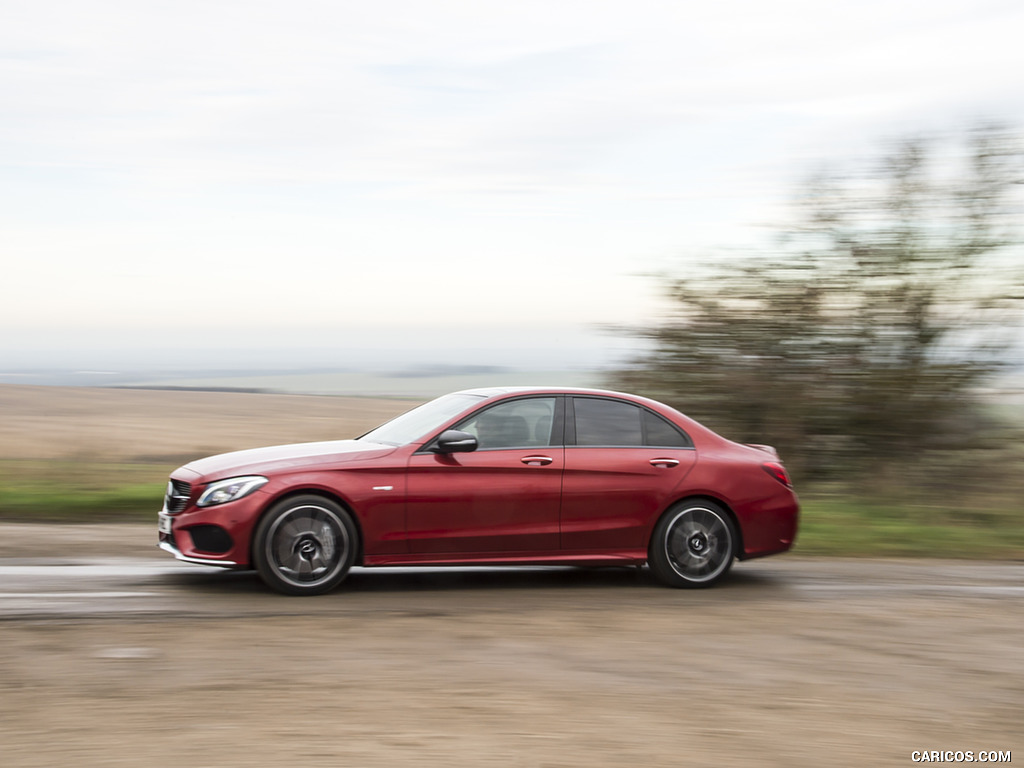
column 770, row 527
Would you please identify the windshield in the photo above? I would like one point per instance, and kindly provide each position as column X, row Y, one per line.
column 422, row 420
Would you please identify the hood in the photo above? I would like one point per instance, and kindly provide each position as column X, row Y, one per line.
column 281, row 457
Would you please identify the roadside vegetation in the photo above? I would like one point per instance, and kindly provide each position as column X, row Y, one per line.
column 860, row 343
column 834, row 521
column 66, row 490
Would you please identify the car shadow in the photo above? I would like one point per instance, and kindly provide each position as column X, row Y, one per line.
column 473, row 578
column 476, row 579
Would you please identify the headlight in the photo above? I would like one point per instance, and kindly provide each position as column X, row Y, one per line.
column 223, row 491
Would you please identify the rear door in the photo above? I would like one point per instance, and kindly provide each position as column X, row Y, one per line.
column 623, row 464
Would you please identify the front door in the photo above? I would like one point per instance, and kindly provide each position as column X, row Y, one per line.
column 502, row 498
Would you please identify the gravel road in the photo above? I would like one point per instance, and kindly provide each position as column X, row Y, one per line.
column 112, row 654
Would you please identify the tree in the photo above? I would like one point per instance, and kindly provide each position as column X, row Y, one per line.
column 864, row 332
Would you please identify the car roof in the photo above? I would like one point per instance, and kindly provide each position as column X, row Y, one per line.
column 494, row 392
column 497, row 391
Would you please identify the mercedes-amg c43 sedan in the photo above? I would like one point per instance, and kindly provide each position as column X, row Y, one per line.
column 502, row 476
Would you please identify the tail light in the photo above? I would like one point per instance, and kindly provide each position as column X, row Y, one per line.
column 777, row 471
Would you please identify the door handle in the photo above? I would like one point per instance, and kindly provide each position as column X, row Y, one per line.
column 536, row 461
column 665, row 463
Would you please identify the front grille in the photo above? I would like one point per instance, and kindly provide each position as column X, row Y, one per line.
column 177, row 496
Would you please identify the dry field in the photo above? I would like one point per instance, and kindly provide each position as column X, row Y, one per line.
column 157, row 426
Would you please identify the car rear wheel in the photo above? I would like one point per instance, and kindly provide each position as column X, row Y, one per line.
column 693, row 544
column 305, row 545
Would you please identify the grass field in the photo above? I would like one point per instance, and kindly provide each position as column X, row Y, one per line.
column 75, row 454
column 871, row 528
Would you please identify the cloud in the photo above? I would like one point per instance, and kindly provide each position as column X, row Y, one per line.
column 211, row 158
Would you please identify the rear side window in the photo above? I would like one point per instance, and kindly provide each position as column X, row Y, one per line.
column 607, row 422
column 615, row 423
column 658, row 432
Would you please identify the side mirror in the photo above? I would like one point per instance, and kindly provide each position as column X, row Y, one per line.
column 454, row 441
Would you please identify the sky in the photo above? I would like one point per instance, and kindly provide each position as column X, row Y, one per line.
column 279, row 183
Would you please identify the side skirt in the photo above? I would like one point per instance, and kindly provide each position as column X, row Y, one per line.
column 619, row 557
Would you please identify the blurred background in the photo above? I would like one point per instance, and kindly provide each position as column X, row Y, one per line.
column 229, row 223
column 796, row 222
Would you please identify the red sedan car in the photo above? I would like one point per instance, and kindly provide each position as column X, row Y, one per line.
column 498, row 476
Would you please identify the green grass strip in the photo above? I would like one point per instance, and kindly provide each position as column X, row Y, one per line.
column 830, row 525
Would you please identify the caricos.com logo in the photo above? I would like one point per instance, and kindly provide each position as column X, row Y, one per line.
column 960, row 756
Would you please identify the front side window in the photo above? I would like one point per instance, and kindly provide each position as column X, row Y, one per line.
column 525, row 423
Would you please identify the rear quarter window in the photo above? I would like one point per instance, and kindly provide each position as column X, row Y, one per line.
column 659, row 432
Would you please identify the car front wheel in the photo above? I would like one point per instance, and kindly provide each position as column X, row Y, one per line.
column 693, row 544
column 305, row 545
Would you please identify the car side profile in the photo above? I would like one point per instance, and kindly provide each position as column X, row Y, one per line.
column 499, row 476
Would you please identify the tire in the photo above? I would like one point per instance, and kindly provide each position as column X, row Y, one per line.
column 305, row 545
column 693, row 545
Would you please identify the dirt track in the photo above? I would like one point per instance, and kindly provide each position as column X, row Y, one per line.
column 791, row 663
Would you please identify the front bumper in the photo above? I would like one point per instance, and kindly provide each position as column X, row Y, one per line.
column 167, row 545
column 217, row 535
